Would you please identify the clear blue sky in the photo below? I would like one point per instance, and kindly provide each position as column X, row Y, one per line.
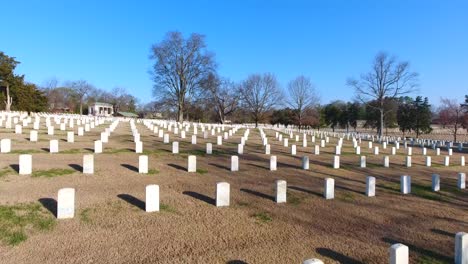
column 108, row 42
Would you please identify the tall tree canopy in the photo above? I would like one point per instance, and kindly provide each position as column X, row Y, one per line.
column 302, row 97
column 16, row 94
column 387, row 79
column 180, row 67
column 260, row 93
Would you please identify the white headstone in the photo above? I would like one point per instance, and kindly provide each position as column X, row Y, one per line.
column 305, row 163
column 50, row 130
column 222, row 194
column 80, row 131
column 285, row 143
column 66, row 203
column 408, row 161
column 370, row 186
column 54, row 146
column 88, row 164
column 376, row 150
column 234, row 163
column 435, row 182
column 267, row 149
column 336, row 162
column 405, row 184
column 293, row 150
column 358, row 150
column 461, row 181
column 393, row 151
column 33, row 136
column 192, row 163
column 25, row 164
column 312, row 261
column 194, row 139
column 317, row 150
column 428, row 161
column 338, row 150
column 5, row 145
column 152, row 198
column 399, row 254
column 166, row 139
column 240, row 149
column 104, row 137
column 219, row 140
column 386, row 161
column 18, row 129
column 143, row 164
column 209, row 148
column 281, row 188
column 97, row 146
column 70, row 137
column 446, row 160
column 272, row 163
column 329, row 192
column 461, row 248
column 175, row 147
column 363, row 161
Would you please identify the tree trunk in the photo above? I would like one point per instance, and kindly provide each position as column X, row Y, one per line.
column 9, row 100
column 381, row 121
column 81, row 106
column 180, row 112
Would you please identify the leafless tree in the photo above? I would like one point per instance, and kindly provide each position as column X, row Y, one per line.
column 302, row 96
column 387, row 79
column 260, row 93
column 224, row 94
column 50, row 83
column 451, row 115
column 81, row 88
column 180, row 67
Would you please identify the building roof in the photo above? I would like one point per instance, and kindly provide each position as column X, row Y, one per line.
column 102, row 104
column 127, row 114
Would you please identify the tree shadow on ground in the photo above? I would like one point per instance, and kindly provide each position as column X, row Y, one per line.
column 236, row 262
column 132, row 200
column 76, row 167
column 326, row 252
column 50, row 204
column 200, row 197
column 175, row 166
column 130, row 167
column 46, row 149
column 259, row 194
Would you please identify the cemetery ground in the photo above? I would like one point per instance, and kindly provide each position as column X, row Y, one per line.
column 111, row 225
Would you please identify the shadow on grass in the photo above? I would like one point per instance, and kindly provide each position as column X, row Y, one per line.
column 132, row 200
column 76, row 167
column 130, row 167
column 422, row 251
column 259, row 194
column 236, row 262
column 175, row 166
column 49, row 204
column 296, row 188
column 15, row 167
column 220, row 166
column 326, row 252
column 200, row 197
column 442, row 232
